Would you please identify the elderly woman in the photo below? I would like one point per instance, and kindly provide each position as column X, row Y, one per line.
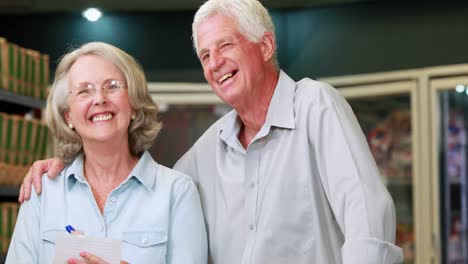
column 104, row 120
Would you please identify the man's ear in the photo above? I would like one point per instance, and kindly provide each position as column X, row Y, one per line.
column 268, row 46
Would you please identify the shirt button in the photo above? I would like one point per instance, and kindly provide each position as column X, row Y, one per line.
column 144, row 240
column 251, row 227
column 113, row 199
column 252, row 185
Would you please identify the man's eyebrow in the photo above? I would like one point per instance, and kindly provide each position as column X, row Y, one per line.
column 217, row 43
column 202, row 51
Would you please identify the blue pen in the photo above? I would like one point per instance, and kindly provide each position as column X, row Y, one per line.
column 70, row 229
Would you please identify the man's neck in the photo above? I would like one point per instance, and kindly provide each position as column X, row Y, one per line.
column 253, row 114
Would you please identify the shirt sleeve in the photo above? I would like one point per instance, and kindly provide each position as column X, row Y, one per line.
column 360, row 201
column 186, row 163
column 24, row 245
column 188, row 240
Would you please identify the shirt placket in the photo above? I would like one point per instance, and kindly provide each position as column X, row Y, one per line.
column 110, row 209
column 252, row 160
column 99, row 229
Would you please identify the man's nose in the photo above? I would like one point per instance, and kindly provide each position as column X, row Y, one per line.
column 216, row 60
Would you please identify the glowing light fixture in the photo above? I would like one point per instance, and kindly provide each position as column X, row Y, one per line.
column 460, row 88
column 92, row 14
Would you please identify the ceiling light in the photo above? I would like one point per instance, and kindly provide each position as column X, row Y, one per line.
column 460, row 88
column 92, row 14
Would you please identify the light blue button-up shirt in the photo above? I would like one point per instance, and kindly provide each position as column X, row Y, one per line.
column 156, row 211
column 306, row 190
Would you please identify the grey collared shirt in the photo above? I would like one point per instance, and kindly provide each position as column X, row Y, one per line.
column 306, row 190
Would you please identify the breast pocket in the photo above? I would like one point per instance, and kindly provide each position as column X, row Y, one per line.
column 48, row 243
column 145, row 247
column 49, row 236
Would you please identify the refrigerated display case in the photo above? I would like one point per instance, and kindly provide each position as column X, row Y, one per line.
column 415, row 122
column 387, row 113
column 386, row 122
column 182, row 126
column 186, row 110
column 434, row 207
column 449, row 96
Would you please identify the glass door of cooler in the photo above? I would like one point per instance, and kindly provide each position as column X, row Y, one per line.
column 450, row 122
column 186, row 110
column 386, row 113
column 387, row 116
column 182, row 126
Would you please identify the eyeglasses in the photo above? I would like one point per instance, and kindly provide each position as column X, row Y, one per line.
column 87, row 90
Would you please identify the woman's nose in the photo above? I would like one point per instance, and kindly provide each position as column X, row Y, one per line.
column 99, row 97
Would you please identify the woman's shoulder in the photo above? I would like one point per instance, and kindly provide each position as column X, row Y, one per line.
column 57, row 183
column 177, row 177
column 162, row 175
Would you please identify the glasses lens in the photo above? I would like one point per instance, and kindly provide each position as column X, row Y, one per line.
column 83, row 90
column 86, row 90
column 112, row 86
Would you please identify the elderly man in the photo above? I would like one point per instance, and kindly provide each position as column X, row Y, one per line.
column 287, row 176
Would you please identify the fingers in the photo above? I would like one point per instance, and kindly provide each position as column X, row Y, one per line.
column 21, row 194
column 54, row 167
column 91, row 259
column 25, row 190
column 75, row 261
column 88, row 258
column 38, row 168
column 34, row 175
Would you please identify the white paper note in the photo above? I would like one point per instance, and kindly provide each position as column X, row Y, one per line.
column 69, row 246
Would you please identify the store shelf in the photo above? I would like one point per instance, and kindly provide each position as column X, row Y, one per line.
column 7, row 96
column 9, row 191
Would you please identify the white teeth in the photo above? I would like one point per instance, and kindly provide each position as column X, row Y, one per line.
column 225, row 76
column 99, row 118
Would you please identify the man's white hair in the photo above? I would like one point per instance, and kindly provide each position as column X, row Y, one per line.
column 251, row 17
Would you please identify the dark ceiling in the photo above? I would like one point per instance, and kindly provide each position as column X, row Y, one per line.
column 34, row 6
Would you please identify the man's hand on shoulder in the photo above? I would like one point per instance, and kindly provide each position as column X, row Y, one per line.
column 52, row 166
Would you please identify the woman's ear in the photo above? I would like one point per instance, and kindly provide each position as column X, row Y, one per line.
column 66, row 116
column 268, row 46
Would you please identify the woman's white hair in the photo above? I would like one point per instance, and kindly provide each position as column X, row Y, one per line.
column 251, row 17
column 142, row 131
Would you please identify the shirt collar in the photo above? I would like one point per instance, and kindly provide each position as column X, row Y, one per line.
column 229, row 128
column 145, row 172
column 280, row 111
column 74, row 173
